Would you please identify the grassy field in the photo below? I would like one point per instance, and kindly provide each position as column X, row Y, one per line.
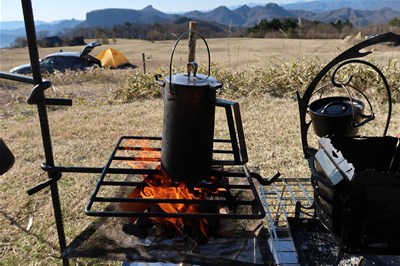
column 233, row 52
column 84, row 134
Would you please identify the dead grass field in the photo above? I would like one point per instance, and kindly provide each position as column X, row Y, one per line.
column 84, row 134
column 234, row 52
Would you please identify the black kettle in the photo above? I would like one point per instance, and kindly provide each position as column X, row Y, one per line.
column 188, row 122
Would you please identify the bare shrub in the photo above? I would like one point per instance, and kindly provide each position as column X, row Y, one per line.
column 280, row 80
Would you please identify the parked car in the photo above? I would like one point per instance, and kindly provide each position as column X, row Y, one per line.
column 62, row 61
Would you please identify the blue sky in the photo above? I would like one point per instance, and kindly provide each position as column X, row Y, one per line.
column 50, row 10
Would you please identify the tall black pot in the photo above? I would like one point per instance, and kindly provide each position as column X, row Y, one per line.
column 188, row 123
column 188, row 126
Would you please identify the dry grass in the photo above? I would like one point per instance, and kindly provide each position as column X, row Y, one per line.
column 84, row 134
column 230, row 52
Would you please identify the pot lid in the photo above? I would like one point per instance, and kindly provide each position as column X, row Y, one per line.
column 200, row 80
column 337, row 106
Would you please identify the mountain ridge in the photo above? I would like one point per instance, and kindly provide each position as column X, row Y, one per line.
column 10, row 30
column 327, row 5
column 241, row 16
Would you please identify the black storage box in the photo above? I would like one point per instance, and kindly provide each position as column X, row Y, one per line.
column 356, row 184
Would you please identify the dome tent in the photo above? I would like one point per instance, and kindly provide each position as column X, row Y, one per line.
column 113, row 58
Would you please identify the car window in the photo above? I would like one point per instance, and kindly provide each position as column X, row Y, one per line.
column 61, row 63
column 47, row 63
column 71, row 62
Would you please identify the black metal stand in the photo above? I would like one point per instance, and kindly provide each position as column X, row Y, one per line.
column 347, row 57
column 37, row 97
column 345, row 236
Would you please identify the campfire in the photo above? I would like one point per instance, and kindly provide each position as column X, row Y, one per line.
column 159, row 186
column 183, row 181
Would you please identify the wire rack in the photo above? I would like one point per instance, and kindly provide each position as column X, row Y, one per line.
column 285, row 198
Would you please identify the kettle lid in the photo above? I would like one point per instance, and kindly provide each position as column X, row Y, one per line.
column 200, row 80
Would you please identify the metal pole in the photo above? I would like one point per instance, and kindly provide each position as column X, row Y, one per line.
column 144, row 63
column 43, row 119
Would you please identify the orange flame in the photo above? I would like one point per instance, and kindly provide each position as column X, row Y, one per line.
column 161, row 187
column 144, row 157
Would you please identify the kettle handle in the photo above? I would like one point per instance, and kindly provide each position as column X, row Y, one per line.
column 324, row 110
column 192, row 63
column 236, row 132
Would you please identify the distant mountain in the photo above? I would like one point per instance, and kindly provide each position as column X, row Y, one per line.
column 251, row 4
column 269, row 11
column 329, row 5
column 359, row 13
column 221, row 15
column 6, row 39
column 242, row 11
column 246, row 16
column 243, row 16
column 53, row 26
column 113, row 16
column 357, row 17
column 12, row 29
column 14, row 25
column 57, row 26
column 354, row 16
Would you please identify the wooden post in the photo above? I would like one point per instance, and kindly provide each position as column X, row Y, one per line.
column 192, row 41
column 144, row 63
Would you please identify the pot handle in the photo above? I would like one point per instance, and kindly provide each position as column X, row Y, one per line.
column 192, row 64
column 335, row 102
column 236, row 132
column 367, row 118
column 160, row 82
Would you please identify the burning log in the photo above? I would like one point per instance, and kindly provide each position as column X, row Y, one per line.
column 137, row 207
column 159, row 186
column 166, row 230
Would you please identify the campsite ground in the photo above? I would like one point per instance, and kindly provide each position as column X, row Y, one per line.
column 84, row 134
column 235, row 52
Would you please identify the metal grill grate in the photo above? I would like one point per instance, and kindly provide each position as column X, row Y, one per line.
column 113, row 178
column 282, row 200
